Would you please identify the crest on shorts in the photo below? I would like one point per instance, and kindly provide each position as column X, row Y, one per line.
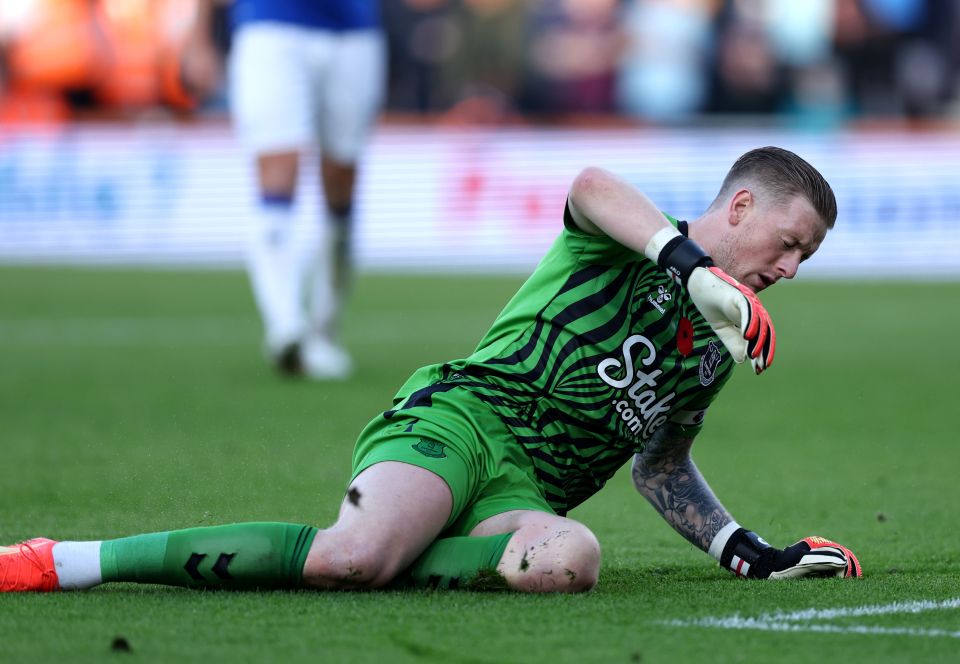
column 709, row 362
column 430, row 448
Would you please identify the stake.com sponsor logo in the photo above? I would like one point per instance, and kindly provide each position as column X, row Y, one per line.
column 640, row 411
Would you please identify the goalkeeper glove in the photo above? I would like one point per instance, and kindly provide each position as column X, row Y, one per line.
column 732, row 310
column 747, row 554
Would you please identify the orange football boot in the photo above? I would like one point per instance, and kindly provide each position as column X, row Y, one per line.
column 28, row 566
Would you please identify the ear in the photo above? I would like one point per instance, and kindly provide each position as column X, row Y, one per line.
column 740, row 203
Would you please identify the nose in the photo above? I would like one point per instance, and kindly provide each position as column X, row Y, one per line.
column 788, row 266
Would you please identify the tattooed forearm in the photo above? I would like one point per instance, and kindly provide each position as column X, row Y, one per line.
column 667, row 477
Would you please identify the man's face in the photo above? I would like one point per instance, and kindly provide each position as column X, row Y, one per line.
column 769, row 241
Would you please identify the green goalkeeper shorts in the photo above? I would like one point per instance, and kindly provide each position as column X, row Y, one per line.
column 455, row 435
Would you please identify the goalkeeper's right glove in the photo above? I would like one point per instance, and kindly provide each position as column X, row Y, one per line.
column 747, row 554
column 732, row 310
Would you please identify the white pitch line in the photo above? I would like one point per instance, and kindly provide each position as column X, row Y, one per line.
column 800, row 621
column 735, row 622
column 917, row 606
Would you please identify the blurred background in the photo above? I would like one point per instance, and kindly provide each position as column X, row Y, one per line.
column 492, row 106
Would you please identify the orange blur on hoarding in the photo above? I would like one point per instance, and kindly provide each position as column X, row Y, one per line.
column 124, row 54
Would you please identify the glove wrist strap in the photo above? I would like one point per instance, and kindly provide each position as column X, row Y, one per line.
column 659, row 240
column 720, row 540
column 743, row 551
column 677, row 254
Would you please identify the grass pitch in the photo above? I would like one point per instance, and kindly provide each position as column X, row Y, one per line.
column 137, row 401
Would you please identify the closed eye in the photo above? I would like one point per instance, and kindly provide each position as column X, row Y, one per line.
column 790, row 243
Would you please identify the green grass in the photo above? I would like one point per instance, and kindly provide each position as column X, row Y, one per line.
column 138, row 401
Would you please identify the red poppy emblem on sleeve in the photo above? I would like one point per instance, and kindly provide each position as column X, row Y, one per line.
column 685, row 337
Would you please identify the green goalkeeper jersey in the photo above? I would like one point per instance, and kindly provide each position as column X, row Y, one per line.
column 596, row 352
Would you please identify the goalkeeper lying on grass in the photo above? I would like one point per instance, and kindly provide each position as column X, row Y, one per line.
column 614, row 348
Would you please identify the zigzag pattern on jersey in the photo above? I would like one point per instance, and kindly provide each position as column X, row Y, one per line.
column 547, row 391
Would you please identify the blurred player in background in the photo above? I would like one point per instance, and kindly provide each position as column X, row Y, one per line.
column 302, row 73
column 614, row 348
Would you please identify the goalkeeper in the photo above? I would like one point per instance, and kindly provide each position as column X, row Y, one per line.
column 614, row 348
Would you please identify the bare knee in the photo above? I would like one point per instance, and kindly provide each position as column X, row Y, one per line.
column 277, row 172
column 344, row 563
column 562, row 559
column 580, row 560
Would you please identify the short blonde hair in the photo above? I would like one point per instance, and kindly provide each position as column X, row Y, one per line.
column 782, row 174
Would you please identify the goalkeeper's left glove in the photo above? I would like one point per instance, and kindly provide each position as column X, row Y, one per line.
column 732, row 310
column 747, row 554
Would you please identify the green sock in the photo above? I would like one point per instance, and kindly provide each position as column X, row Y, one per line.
column 241, row 555
column 458, row 562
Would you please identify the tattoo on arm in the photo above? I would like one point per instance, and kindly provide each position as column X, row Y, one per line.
column 667, row 477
